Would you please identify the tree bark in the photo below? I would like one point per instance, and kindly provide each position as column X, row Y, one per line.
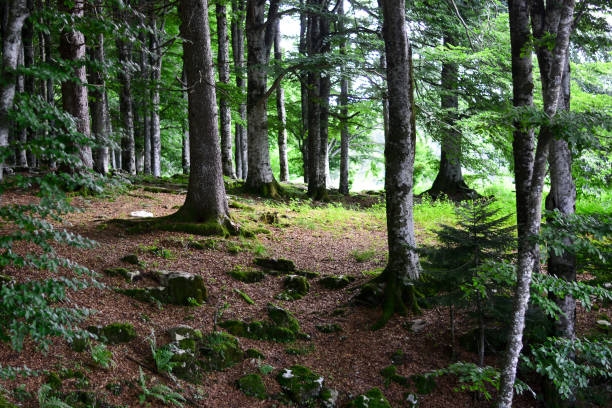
column 260, row 36
column 241, row 145
column 280, row 112
column 224, row 77
column 74, row 92
column 156, row 67
column 185, row 161
column 11, row 46
column 343, row 101
column 303, row 50
column 99, row 112
column 126, row 106
column 206, row 200
column 403, row 266
column 554, row 17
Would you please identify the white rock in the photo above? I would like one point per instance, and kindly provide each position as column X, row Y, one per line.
column 141, row 214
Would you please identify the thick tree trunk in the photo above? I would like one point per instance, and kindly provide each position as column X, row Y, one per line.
column 186, row 163
column 403, row 265
column 74, row 92
column 11, row 46
column 260, row 36
column 343, row 101
column 126, row 112
column 206, row 200
column 241, row 146
column 280, row 112
column 303, row 50
column 225, row 115
column 551, row 18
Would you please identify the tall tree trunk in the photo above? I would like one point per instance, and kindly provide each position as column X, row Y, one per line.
column 225, row 115
column 343, row 101
column 74, row 92
column 303, row 50
column 280, row 111
column 241, row 145
column 156, row 67
column 260, row 36
column 206, row 200
column 20, row 136
column 11, row 46
column 552, row 18
column 186, row 163
column 99, row 112
column 403, row 265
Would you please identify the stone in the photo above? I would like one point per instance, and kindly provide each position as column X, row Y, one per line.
column 374, row 398
column 280, row 265
column 124, row 273
column 283, row 318
column 296, row 283
column 182, row 288
column 418, row 325
column 329, row 397
column 114, row 333
column 300, row 384
column 131, row 259
column 252, row 385
column 247, row 275
column 336, row 282
column 218, row 351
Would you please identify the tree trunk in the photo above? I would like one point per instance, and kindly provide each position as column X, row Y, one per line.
column 206, row 200
column 241, row 146
column 99, row 112
column 449, row 182
column 124, row 73
column 280, row 112
column 74, row 92
column 553, row 18
column 403, row 265
column 11, row 46
column 303, row 50
column 260, row 36
column 224, row 105
column 156, row 67
column 343, row 101
column 186, row 163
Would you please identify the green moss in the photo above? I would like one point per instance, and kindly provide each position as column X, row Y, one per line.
column 235, row 327
column 424, row 384
column 220, row 350
column 247, row 275
column 114, row 333
column 252, row 385
column 254, row 353
column 374, row 398
column 54, row 380
column 122, row 273
column 282, row 317
column 301, row 384
column 281, row 265
column 297, row 283
column 148, row 295
column 329, row 328
column 244, row 296
column 131, row 259
column 336, row 281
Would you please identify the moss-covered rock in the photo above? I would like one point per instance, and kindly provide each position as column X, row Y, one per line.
column 254, row 353
column 114, row 333
column 374, row 398
column 329, row 328
column 182, row 288
column 247, row 275
column 282, row 317
column 296, row 283
column 219, row 350
column 273, row 264
column 124, row 273
column 252, row 385
column 336, row 282
column 300, row 384
column 132, row 259
column 148, row 295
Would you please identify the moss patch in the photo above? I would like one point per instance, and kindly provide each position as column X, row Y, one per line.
column 374, row 398
column 273, row 264
column 219, row 350
column 252, row 385
column 300, row 384
column 114, row 333
column 336, row 281
column 247, row 275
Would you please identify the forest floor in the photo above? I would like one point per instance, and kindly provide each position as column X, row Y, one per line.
column 329, row 240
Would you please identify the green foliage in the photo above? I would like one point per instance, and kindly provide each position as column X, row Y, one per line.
column 161, row 355
column 102, row 356
column 47, row 399
column 569, row 364
column 363, row 256
column 160, row 392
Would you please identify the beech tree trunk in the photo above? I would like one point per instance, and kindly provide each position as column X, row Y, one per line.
column 126, row 106
column 403, row 266
column 241, row 145
column 343, row 101
column 554, row 17
column 11, row 47
column 186, row 163
column 74, row 92
column 224, row 77
column 260, row 36
column 206, row 200
column 156, row 67
column 303, row 50
column 280, row 112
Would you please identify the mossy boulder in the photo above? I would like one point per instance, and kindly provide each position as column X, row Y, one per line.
column 374, row 398
column 124, row 273
column 182, row 288
column 132, row 259
column 336, row 282
column 296, row 283
column 278, row 265
column 282, row 317
column 252, row 385
column 114, row 333
column 300, row 384
column 219, row 350
column 259, row 330
column 329, row 328
column 247, row 275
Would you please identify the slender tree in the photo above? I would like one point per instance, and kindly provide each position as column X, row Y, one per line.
column 223, row 67
column 343, row 102
column 260, row 37
column 206, row 201
column 280, row 111
column 552, row 18
column 11, row 46
column 237, row 28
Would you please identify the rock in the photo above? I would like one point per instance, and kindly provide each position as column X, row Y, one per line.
column 280, row 265
column 374, row 398
column 248, row 275
column 125, row 273
column 141, row 214
column 131, row 259
column 336, row 281
column 252, row 385
column 329, row 397
column 418, row 325
column 297, row 283
column 114, row 333
column 218, row 351
column 329, row 328
column 283, row 318
column 182, row 288
column 300, row 384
